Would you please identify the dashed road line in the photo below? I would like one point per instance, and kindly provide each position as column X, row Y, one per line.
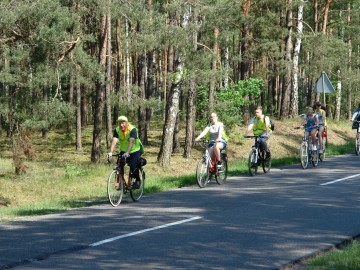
column 339, row 180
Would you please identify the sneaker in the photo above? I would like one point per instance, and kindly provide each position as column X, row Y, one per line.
column 321, row 151
column 137, row 184
column 314, row 148
column 267, row 155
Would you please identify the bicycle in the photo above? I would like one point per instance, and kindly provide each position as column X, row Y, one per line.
column 117, row 185
column 356, row 125
column 307, row 155
column 258, row 157
column 207, row 167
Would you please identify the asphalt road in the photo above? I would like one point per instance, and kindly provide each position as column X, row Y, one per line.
column 261, row 222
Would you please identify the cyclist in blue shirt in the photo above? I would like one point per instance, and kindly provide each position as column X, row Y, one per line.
column 311, row 122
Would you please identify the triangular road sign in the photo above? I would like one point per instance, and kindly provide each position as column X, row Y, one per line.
column 323, row 84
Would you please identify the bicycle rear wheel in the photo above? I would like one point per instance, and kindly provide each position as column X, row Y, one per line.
column 137, row 192
column 115, row 188
column 222, row 172
column 304, row 158
column 202, row 173
column 266, row 163
column 252, row 162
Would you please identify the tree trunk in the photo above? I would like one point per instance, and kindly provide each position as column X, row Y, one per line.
column 286, row 90
column 326, row 13
column 119, row 78
column 295, row 96
column 176, row 139
column 190, row 118
column 127, row 63
column 245, row 62
column 99, row 98
column 71, row 101
column 164, row 156
column 108, row 82
column 78, row 117
column 170, row 70
column 338, row 97
column 349, row 109
column 84, row 106
column 216, row 33
column 45, row 131
column 142, row 87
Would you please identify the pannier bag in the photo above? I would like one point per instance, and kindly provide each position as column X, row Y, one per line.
column 142, row 162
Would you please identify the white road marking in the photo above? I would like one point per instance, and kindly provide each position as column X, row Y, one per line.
column 142, row 231
column 339, row 180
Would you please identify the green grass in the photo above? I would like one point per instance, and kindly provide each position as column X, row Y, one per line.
column 347, row 258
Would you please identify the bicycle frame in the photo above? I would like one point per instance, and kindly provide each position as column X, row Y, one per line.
column 257, row 157
column 212, row 162
column 120, row 164
column 118, row 185
column 207, row 166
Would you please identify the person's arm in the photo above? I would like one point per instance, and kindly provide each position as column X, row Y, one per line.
column 304, row 121
column 267, row 124
column 354, row 115
column 316, row 120
column 221, row 130
column 250, row 126
column 112, row 147
column 202, row 134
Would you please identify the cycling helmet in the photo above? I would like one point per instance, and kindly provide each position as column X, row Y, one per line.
column 122, row 118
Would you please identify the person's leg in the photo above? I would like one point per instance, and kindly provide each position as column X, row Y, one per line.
column 313, row 139
column 218, row 147
column 133, row 162
column 321, row 129
column 263, row 142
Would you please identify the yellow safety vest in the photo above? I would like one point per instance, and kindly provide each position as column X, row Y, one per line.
column 124, row 142
column 260, row 126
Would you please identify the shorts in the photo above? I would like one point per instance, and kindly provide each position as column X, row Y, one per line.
column 224, row 143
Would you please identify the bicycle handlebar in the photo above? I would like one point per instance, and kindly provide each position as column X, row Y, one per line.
column 253, row 136
column 116, row 155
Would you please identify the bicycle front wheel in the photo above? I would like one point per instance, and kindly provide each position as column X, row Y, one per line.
column 115, row 188
column 222, row 172
column 136, row 192
column 202, row 173
column 266, row 164
column 357, row 144
column 315, row 157
column 304, row 159
column 322, row 155
column 252, row 162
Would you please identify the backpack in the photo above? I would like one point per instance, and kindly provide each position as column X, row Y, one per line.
column 272, row 126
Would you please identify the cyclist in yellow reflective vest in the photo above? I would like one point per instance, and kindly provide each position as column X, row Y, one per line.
column 130, row 145
column 260, row 125
column 322, row 122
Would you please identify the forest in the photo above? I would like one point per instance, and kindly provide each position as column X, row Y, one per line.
column 69, row 64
